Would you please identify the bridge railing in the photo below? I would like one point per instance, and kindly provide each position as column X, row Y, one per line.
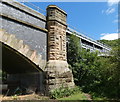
column 32, row 6
column 72, row 28
column 87, row 36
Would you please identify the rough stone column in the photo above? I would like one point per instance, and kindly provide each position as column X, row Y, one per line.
column 57, row 72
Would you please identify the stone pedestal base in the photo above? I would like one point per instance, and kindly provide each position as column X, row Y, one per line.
column 58, row 74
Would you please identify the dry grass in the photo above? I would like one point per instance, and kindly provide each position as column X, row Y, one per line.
column 25, row 97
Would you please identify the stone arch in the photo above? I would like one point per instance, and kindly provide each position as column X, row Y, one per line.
column 22, row 49
column 28, row 71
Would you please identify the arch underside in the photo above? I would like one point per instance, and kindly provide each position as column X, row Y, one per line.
column 17, row 57
column 13, row 62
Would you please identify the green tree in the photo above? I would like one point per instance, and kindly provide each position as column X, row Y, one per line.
column 95, row 74
column 73, row 49
column 82, row 62
column 111, row 71
column 111, row 43
column 115, row 70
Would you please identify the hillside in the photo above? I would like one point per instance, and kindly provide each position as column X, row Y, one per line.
column 111, row 43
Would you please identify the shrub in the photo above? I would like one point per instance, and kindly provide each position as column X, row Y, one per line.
column 64, row 92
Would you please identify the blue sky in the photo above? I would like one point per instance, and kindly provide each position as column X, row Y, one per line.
column 98, row 20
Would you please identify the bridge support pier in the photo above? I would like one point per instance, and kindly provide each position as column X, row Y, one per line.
column 58, row 75
column 57, row 72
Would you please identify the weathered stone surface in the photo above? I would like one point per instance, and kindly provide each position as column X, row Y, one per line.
column 25, row 31
column 23, row 13
column 26, row 24
column 19, row 45
column 57, row 72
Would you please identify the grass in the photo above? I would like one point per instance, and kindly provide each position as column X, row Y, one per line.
column 96, row 96
column 99, row 98
column 77, row 96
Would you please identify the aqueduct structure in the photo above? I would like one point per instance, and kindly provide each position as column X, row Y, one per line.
column 34, row 46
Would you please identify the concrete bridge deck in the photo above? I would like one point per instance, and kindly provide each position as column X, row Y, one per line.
column 89, row 43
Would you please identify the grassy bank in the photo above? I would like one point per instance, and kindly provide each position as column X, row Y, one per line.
column 77, row 96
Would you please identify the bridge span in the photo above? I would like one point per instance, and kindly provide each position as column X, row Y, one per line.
column 89, row 43
column 85, row 41
column 34, row 46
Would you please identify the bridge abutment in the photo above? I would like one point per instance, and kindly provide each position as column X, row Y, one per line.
column 57, row 72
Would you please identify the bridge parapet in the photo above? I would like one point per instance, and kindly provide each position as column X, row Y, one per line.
column 26, row 24
column 24, row 9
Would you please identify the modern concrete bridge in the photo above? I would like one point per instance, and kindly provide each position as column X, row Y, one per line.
column 34, row 46
column 88, row 43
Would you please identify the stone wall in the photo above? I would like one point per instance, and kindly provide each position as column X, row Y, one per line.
column 28, row 29
column 29, row 26
column 26, row 24
column 20, row 49
column 57, row 41
column 56, row 25
column 57, row 72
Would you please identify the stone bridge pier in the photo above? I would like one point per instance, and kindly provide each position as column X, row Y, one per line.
column 57, row 72
column 34, row 47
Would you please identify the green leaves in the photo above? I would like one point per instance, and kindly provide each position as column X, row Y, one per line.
column 64, row 92
column 93, row 73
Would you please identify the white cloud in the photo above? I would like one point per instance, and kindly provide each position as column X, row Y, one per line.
column 103, row 34
column 112, row 2
column 111, row 6
column 108, row 36
column 116, row 21
column 110, row 10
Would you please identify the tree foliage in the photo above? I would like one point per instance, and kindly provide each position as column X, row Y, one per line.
column 92, row 73
column 111, row 43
